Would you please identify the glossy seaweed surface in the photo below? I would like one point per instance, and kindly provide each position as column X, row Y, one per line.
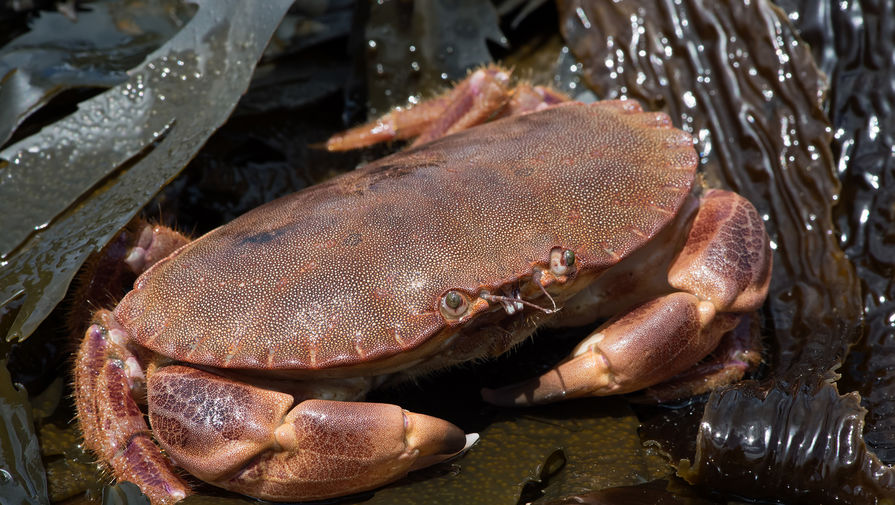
column 792, row 107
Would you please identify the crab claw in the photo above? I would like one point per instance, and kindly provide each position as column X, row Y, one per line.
column 331, row 448
column 260, row 445
column 646, row 346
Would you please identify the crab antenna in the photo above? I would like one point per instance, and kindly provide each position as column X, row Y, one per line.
column 554, row 309
column 498, row 298
column 536, row 277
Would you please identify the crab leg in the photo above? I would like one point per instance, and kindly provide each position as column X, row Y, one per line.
column 738, row 352
column 110, row 273
column 153, row 243
column 254, row 441
column 474, row 100
column 106, row 374
column 527, row 98
column 722, row 272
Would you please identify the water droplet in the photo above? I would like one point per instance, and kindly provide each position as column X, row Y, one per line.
column 582, row 16
column 873, row 127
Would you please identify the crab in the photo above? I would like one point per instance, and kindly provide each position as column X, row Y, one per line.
column 253, row 346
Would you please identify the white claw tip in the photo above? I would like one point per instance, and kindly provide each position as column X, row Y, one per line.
column 471, row 440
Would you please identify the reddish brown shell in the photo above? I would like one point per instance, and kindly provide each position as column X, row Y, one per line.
column 352, row 270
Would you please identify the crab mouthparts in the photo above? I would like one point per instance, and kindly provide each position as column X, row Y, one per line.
column 513, row 304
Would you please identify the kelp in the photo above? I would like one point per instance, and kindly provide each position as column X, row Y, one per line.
column 69, row 188
column 22, row 475
column 57, row 55
column 853, row 43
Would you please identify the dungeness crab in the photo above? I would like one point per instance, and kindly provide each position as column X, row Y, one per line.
column 247, row 343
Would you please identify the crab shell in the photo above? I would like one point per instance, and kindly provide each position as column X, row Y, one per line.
column 348, row 277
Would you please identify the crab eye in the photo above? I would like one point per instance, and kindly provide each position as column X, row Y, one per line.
column 453, row 305
column 562, row 261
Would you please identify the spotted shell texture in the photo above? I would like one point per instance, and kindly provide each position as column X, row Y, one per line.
column 352, row 270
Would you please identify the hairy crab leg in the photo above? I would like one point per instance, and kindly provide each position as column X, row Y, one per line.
column 110, row 274
column 527, row 98
column 470, row 102
column 473, row 102
column 106, row 374
column 722, row 271
column 483, row 95
column 255, row 441
column 154, row 242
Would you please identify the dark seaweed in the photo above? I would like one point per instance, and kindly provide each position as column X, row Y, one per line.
column 754, row 103
column 412, row 46
column 56, row 54
column 854, row 43
column 22, row 476
column 750, row 435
